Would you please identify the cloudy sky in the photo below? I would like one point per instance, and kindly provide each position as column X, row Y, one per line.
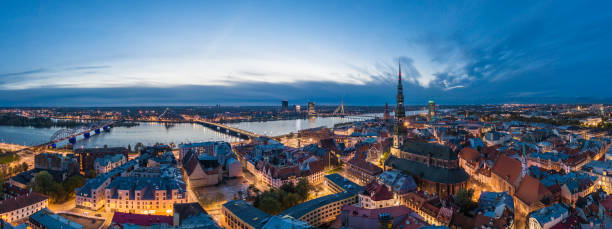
column 77, row 53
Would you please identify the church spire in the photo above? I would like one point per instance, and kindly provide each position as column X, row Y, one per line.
column 399, row 130
column 399, row 66
column 400, row 111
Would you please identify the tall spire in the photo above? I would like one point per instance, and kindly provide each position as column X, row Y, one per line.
column 399, row 66
column 399, row 130
column 400, row 112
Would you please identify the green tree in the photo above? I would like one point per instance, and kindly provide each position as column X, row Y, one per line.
column 219, row 197
column 303, row 189
column 463, row 199
column 72, row 183
column 290, row 200
column 24, row 166
column 270, row 205
column 91, row 173
column 384, row 157
column 288, row 187
column 42, row 182
column 1, row 188
column 57, row 193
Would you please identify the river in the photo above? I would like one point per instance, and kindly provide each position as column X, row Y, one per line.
column 150, row 133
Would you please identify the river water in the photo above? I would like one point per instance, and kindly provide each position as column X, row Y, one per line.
column 150, row 133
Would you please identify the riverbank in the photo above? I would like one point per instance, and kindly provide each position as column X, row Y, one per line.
column 12, row 119
column 11, row 147
column 166, row 132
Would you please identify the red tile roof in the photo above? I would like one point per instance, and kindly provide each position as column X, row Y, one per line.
column 141, row 220
column 378, row 192
column 361, row 218
column 316, row 166
column 469, row 154
column 532, row 190
column 367, row 166
column 508, row 168
column 21, row 201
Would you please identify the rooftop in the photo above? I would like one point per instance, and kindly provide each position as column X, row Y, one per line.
column 430, row 173
column 49, row 220
column 493, row 204
column 425, row 149
column 547, row 214
column 141, row 220
column 303, row 208
column 508, row 168
column 341, row 181
column 277, row 222
column 247, row 213
column 21, row 201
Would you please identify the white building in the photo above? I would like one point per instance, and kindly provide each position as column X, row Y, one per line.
column 21, row 207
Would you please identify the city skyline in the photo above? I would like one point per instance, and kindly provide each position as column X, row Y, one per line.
column 239, row 53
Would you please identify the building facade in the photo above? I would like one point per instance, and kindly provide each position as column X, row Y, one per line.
column 87, row 157
column 145, row 195
column 21, row 207
column 108, row 162
column 434, row 167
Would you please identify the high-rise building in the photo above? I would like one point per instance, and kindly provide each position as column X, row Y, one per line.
column 284, row 105
column 432, row 110
column 399, row 130
column 311, row 109
column 297, row 108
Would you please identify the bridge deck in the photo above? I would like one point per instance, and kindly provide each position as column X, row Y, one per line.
column 240, row 131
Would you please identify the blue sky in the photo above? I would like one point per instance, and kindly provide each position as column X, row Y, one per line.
column 75, row 53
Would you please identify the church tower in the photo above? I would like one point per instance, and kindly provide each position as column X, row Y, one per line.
column 387, row 115
column 399, row 130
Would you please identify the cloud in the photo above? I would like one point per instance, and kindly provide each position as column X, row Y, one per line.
column 542, row 48
column 23, row 73
column 87, row 67
column 259, row 93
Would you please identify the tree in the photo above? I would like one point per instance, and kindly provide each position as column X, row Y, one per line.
column 384, row 157
column 303, row 189
column 24, row 166
column 270, row 205
column 290, row 200
column 42, row 182
column 91, row 173
column 463, row 199
column 57, row 193
column 73, row 182
column 288, row 187
column 1, row 188
column 219, row 197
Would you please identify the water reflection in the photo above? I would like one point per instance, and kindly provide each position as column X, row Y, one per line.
column 150, row 133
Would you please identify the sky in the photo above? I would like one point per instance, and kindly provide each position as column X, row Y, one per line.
column 122, row 53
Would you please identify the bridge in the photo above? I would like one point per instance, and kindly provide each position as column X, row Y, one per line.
column 340, row 110
column 72, row 134
column 85, row 130
column 243, row 134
